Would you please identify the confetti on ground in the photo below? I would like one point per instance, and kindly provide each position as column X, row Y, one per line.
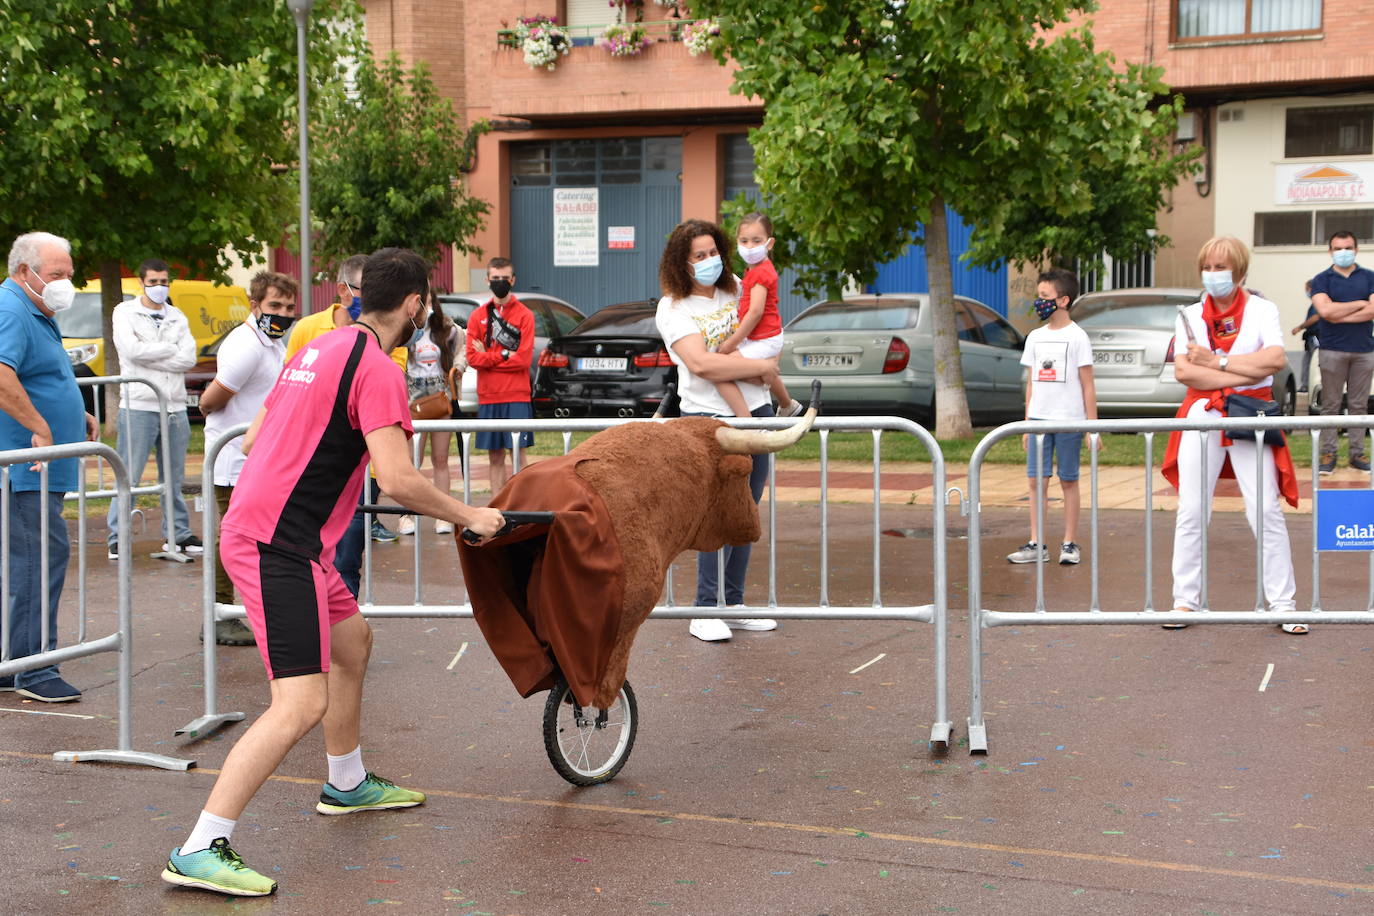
column 879, row 657
column 459, row 654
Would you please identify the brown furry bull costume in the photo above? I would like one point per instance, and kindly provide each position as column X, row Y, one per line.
column 570, row 596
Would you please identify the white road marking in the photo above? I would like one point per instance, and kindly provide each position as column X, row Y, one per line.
column 880, row 657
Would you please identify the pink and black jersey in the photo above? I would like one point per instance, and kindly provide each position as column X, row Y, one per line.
column 299, row 488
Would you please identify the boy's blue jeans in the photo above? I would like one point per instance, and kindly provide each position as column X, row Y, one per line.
column 138, row 435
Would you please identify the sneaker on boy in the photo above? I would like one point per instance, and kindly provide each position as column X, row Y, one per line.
column 372, row 794
column 1029, row 553
column 217, row 869
column 1069, row 555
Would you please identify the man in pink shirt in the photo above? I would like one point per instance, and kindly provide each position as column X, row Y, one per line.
column 338, row 401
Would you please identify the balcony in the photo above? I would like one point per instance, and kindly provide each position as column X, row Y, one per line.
column 663, row 81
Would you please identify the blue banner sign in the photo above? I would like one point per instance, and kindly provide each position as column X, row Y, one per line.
column 1345, row 519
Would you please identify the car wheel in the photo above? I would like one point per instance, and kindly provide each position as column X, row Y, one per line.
column 1289, row 405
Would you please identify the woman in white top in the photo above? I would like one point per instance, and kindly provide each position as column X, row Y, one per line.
column 1234, row 345
column 429, row 363
column 699, row 310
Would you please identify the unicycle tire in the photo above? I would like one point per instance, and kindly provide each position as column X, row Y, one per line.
column 588, row 746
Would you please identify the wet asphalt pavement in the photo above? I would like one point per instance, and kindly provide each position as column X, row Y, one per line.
column 1131, row 769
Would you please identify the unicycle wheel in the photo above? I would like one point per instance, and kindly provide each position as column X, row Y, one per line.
column 586, row 745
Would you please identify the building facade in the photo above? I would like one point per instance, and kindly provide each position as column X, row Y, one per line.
column 1280, row 98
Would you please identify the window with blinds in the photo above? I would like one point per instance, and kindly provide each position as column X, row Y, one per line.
column 1211, row 19
column 588, row 12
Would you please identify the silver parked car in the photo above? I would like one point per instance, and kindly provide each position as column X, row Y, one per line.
column 875, row 355
column 1132, row 335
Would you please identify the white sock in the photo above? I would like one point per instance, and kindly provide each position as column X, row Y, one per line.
column 208, row 828
column 346, row 772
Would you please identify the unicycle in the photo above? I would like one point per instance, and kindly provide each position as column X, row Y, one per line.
column 588, row 746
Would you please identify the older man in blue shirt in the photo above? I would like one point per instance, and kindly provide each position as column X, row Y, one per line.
column 39, row 405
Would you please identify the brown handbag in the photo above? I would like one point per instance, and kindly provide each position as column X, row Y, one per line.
column 434, row 406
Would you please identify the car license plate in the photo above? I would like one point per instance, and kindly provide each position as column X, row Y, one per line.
column 1116, row 357
column 601, row 364
column 827, row 360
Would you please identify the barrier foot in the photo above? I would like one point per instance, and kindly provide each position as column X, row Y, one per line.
column 138, row 758
column 206, row 724
column 977, row 738
column 176, row 555
column 940, row 734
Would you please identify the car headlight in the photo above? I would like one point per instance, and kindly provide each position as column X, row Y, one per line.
column 83, row 354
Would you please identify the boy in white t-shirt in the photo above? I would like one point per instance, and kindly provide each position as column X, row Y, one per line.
column 247, row 365
column 1059, row 386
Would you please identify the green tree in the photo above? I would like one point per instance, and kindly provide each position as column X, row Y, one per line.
column 880, row 114
column 387, row 165
column 155, row 129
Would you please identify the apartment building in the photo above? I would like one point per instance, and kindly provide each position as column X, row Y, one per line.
column 1280, row 97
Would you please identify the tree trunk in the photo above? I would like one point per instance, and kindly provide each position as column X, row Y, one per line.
column 951, row 399
column 111, row 294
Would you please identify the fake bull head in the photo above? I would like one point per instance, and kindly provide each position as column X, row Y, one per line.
column 629, row 500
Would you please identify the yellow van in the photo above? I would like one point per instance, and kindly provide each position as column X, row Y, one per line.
column 210, row 311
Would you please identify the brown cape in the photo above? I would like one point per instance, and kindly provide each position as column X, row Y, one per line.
column 549, row 598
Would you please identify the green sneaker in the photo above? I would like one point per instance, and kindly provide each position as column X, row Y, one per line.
column 372, row 794
column 218, row 869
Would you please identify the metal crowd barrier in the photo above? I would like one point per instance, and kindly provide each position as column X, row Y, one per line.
column 933, row 613
column 121, row 640
column 981, row 618
column 164, row 486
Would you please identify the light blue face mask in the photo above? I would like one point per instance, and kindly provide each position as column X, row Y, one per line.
column 1218, row 283
column 417, row 330
column 707, row 272
column 1343, row 258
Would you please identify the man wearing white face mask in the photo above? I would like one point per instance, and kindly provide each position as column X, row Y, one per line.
column 1342, row 295
column 154, row 342
column 39, row 405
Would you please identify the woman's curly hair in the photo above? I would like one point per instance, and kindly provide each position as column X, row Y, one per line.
column 675, row 275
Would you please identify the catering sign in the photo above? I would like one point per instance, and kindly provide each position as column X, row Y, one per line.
column 1329, row 182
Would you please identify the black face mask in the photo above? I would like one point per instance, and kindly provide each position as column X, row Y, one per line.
column 274, row 326
column 500, row 287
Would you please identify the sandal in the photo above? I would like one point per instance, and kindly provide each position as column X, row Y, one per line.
column 1297, row 629
column 1177, row 626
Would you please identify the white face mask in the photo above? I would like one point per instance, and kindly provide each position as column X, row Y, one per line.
column 753, row 255
column 58, row 295
column 1218, row 283
column 157, row 294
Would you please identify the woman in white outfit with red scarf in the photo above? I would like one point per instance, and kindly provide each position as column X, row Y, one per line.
column 1235, row 346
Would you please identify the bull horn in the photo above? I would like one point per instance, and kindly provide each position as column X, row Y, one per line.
column 763, row 441
column 667, row 399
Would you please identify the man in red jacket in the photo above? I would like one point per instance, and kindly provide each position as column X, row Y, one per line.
column 500, row 346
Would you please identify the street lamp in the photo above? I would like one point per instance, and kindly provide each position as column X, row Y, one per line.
column 301, row 10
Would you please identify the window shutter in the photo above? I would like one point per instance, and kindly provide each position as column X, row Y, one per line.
column 589, row 12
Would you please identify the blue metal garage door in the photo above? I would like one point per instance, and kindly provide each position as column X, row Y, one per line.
column 639, row 201
column 907, row 274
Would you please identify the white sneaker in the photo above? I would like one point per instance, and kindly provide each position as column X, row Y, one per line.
column 442, row 527
column 406, row 525
column 755, row 623
column 709, row 629
column 794, row 411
